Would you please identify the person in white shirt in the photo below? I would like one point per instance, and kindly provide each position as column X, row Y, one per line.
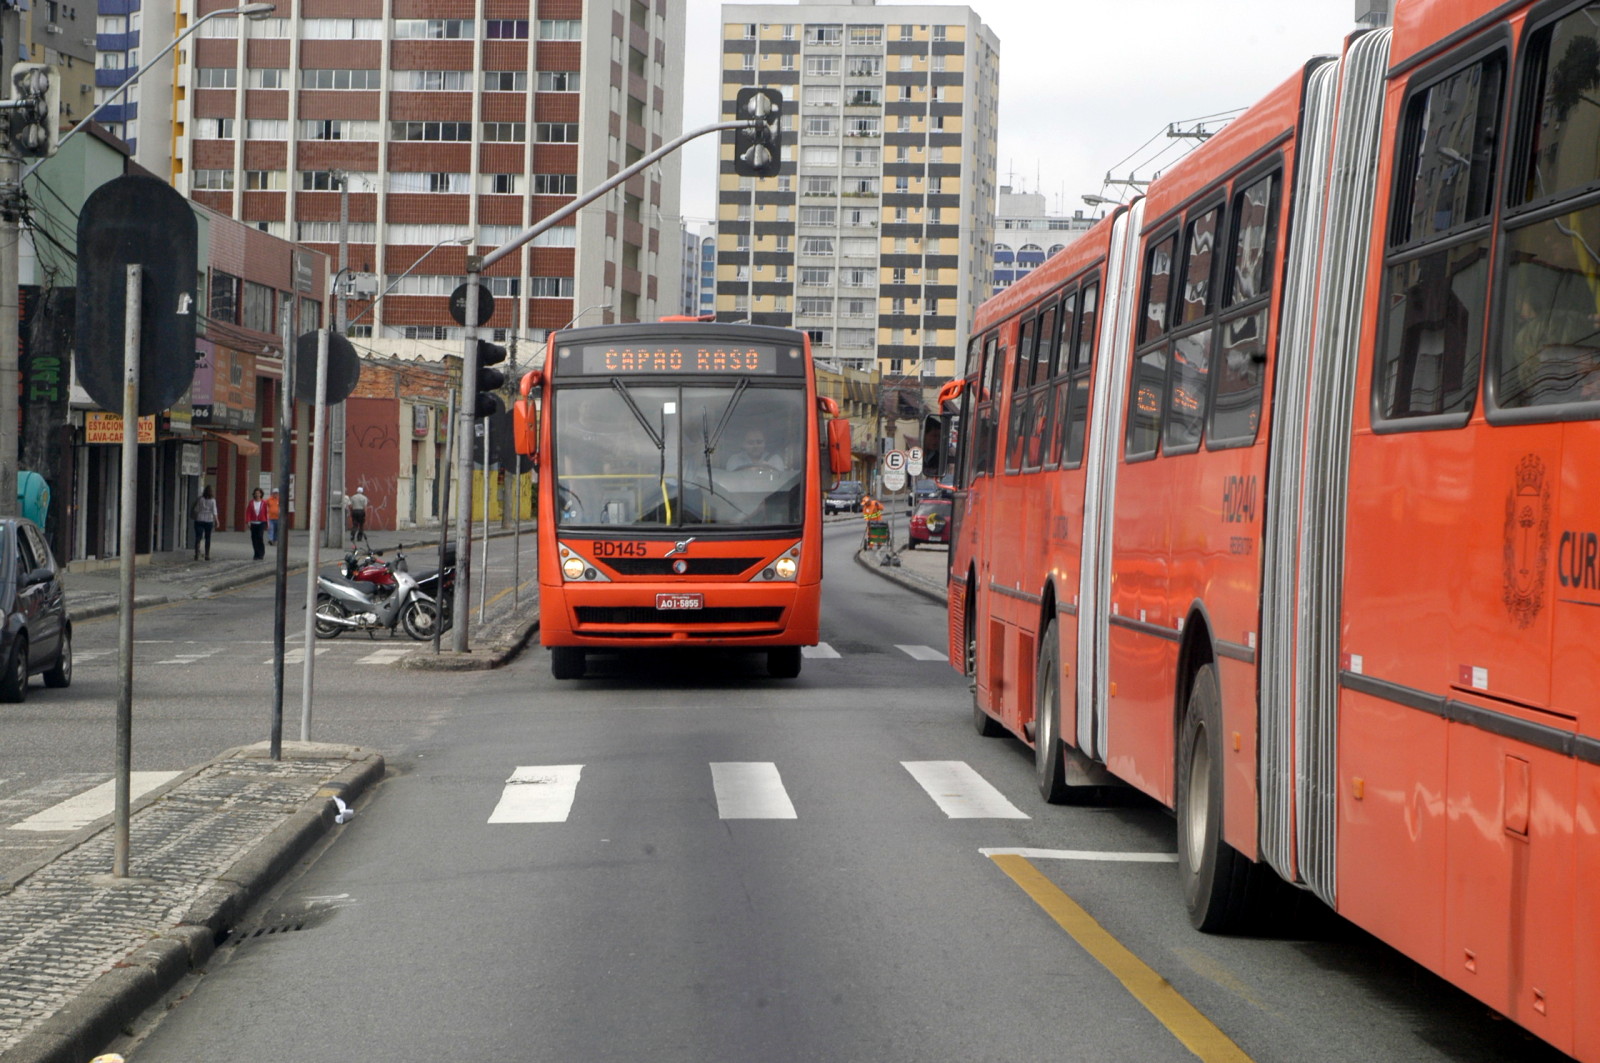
column 358, row 514
column 753, row 451
column 204, row 512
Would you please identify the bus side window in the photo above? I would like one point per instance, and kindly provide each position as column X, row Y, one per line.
column 1022, row 366
column 1188, row 384
column 1077, row 383
column 1242, row 343
column 989, row 404
column 1039, row 391
column 1148, row 386
column 1436, row 279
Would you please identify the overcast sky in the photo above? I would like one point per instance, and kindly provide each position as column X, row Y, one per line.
column 1083, row 83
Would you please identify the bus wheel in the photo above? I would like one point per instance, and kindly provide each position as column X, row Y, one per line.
column 986, row 725
column 783, row 662
column 566, row 662
column 1049, row 763
column 1216, row 879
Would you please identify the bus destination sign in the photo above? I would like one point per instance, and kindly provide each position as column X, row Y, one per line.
column 625, row 359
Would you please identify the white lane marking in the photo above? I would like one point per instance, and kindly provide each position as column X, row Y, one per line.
column 821, row 651
column 191, row 658
column 750, row 791
column 387, row 655
column 921, row 653
column 960, row 792
column 1085, row 854
column 85, row 808
column 538, row 794
column 298, row 655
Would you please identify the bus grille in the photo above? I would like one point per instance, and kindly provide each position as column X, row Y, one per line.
column 662, row 566
column 638, row 614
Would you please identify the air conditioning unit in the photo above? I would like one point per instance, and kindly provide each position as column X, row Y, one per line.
column 52, row 28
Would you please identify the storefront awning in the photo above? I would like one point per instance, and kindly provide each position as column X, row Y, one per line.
column 245, row 444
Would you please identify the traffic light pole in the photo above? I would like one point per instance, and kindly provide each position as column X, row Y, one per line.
column 10, row 368
column 466, row 410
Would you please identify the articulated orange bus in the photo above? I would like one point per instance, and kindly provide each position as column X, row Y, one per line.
column 680, row 490
column 1274, row 502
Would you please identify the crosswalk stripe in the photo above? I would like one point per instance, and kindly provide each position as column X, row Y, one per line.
column 85, row 808
column 921, row 653
column 538, row 794
column 821, row 651
column 750, row 791
column 960, row 792
column 387, row 655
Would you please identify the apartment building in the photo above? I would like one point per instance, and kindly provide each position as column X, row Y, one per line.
column 875, row 237
column 396, row 136
column 1027, row 233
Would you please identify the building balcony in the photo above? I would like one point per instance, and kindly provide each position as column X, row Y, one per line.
column 110, row 79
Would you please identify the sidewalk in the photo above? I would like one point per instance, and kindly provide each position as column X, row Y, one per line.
column 84, row 954
column 923, row 570
column 94, row 588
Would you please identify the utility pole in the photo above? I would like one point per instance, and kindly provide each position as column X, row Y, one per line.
column 10, row 366
column 336, row 426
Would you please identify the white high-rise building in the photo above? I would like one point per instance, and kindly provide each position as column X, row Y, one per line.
column 875, row 238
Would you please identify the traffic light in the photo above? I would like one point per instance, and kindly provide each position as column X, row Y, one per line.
column 485, row 402
column 35, row 128
column 758, row 149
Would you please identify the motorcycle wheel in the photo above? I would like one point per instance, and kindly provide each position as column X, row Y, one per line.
column 329, row 613
column 419, row 618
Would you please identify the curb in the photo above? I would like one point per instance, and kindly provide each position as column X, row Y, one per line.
column 117, row 998
column 495, row 649
column 911, row 583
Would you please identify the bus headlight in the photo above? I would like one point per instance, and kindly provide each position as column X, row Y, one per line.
column 786, row 568
column 573, row 567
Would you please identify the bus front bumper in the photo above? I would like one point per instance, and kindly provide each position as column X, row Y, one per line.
column 728, row 614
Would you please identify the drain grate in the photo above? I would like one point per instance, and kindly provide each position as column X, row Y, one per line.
column 238, row 937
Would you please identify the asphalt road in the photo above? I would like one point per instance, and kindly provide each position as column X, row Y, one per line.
column 699, row 863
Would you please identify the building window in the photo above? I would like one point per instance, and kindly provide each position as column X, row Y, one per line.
column 443, row 131
column 500, row 184
column 341, row 79
column 256, row 309
column 506, row 81
column 550, row 287
column 560, row 29
column 824, row 34
column 505, row 29
column 428, row 182
column 327, row 29
column 265, row 180
column 263, row 128
column 505, row 132
column 211, row 180
column 434, row 80
column 268, row 78
column 337, row 129
column 555, row 132
column 436, row 29
column 558, row 81
column 211, row 77
column 216, row 129
column 555, row 184
column 822, row 66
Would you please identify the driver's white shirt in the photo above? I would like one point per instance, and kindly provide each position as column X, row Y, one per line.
column 741, row 460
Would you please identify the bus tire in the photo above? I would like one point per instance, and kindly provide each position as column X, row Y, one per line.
column 783, row 662
column 986, row 725
column 1049, row 760
column 1216, row 878
column 567, row 662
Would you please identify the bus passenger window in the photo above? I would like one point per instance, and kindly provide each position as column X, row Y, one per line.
column 1077, row 407
column 1144, row 404
column 1195, row 302
column 1428, row 358
column 1255, row 214
column 1241, row 366
column 1157, row 288
column 1550, row 317
column 1186, row 403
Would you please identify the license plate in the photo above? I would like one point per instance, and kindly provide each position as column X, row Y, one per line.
column 680, row 601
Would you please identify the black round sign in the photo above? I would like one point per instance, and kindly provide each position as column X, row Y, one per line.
column 344, row 368
column 135, row 219
column 458, row 304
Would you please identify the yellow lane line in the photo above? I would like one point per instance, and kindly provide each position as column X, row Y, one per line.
column 1198, row 1033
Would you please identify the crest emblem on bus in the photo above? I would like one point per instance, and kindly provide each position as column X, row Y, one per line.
column 680, row 547
column 1527, row 541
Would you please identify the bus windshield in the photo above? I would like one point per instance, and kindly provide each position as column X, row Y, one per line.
column 667, row 455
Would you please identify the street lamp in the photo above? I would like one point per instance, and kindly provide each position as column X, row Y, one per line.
column 1102, row 201
column 409, row 270
column 253, row 12
column 585, row 310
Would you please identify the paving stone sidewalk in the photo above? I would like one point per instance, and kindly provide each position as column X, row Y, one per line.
column 82, row 954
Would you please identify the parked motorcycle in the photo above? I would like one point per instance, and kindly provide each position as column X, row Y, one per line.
column 363, row 605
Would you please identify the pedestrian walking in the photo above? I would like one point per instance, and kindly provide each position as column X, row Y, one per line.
column 358, row 514
column 272, row 518
column 255, row 515
column 204, row 512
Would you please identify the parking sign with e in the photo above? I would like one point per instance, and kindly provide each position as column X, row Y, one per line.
column 895, row 461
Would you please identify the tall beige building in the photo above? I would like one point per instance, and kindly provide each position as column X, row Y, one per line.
column 875, row 238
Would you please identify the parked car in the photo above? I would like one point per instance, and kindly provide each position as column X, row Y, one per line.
column 925, row 489
column 844, row 497
column 930, row 523
column 36, row 636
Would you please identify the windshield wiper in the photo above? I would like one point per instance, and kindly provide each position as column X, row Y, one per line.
column 658, row 438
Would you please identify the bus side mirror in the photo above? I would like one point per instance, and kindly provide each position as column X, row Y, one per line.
column 525, row 417
column 839, row 445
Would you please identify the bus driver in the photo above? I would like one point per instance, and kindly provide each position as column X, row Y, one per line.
column 753, row 452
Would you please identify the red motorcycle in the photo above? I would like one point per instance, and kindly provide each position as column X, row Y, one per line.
column 363, row 564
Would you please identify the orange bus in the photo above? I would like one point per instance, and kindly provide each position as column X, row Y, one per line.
column 680, row 490
column 1271, row 503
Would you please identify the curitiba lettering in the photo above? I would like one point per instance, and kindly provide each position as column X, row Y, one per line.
column 1579, row 560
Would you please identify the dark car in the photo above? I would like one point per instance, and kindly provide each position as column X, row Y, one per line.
column 37, row 636
column 925, row 489
column 844, row 497
column 930, row 523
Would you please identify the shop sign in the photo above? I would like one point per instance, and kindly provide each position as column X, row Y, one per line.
column 101, row 427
